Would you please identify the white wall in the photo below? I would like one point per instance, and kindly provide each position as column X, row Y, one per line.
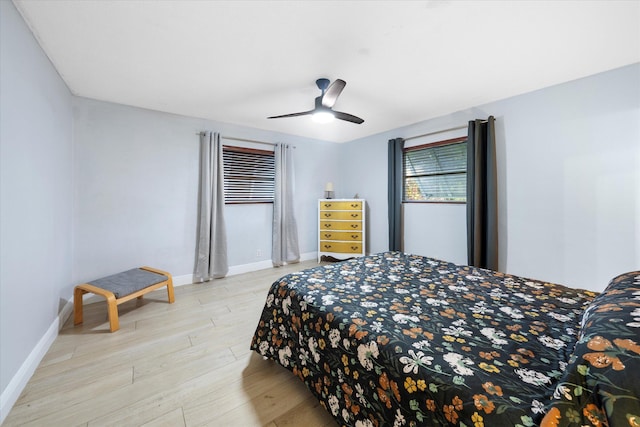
column 568, row 176
column 137, row 183
column 35, row 202
column 439, row 230
column 571, row 174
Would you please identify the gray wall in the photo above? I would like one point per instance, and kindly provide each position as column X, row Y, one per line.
column 136, row 191
column 568, row 175
column 35, row 193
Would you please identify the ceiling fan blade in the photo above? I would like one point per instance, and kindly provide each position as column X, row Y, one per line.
column 325, row 102
column 333, row 92
column 304, row 113
column 348, row 117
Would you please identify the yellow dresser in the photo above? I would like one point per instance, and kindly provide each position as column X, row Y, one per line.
column 341, row 228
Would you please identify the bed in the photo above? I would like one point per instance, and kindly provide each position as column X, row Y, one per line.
column 394, row 339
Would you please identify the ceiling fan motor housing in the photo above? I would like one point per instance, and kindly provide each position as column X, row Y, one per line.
column 322, row 84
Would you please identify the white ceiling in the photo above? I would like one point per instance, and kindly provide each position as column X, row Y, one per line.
column 403, row 61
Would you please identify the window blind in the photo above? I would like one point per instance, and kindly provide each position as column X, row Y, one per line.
column 436, row 172
column 249, row 175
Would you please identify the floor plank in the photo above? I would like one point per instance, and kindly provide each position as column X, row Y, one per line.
column 184, row 364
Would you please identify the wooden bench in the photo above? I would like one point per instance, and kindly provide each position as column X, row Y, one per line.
column 122, row 287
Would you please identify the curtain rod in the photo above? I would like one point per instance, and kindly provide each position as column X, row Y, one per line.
column 232, row 138
column 440, row 131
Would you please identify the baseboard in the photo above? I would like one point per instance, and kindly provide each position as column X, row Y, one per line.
column 308, row 256
column 243, row 268
column 12, row 392
column 185, row 279
column 263, row 265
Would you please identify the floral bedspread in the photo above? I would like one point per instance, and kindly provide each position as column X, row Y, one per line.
column 394, row 339
column 601, row 385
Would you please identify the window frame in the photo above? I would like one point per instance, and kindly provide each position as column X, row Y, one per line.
column 251, row 151
column 451, row 141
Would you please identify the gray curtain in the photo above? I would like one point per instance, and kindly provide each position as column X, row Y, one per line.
column 482, row 195
column 395, row 193
column 285, row 230
column 211, row 244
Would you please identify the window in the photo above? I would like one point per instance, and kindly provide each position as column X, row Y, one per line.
column 436, row 172
column 249, row 175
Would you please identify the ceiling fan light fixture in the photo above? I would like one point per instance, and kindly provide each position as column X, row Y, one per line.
column 323, row 117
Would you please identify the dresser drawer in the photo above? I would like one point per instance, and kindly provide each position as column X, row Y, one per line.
column 354, row 236
column 341, row 225
column 340, row 206
column 341, row 247
column 342, row 215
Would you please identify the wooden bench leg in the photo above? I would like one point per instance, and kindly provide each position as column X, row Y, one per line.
column 112, row 304
column 112, row 307
column 77, row 305
column 170, row 294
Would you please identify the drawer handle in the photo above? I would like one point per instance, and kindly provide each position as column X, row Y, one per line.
column 354, row 248
column 327, row 215
column 354, row 236
column 327, row 235
column 354, row 226
column 326, row 225
column 354, row 205
column 327, row 205
column 355, row 215
column 327, row 246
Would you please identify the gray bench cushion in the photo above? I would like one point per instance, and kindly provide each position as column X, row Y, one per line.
column 129, row 281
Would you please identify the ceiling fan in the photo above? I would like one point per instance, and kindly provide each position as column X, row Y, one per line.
column 323, row 111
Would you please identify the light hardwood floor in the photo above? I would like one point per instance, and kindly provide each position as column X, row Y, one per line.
column 181, row 364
